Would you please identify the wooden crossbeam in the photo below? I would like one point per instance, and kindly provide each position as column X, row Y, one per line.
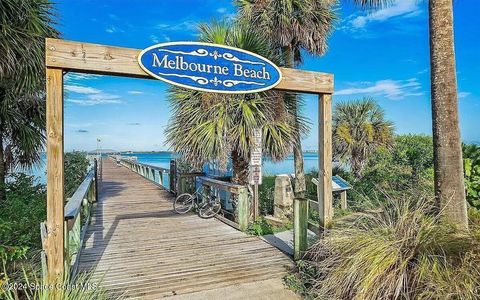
column 110, row 60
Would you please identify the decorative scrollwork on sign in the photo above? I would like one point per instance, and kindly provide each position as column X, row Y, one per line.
column 215, row 55
column 198, row 52
column 215, row 81
column 197, row 79
column 230, row 83
column 231, row 57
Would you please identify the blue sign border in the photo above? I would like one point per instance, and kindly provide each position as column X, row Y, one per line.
column 148, row 71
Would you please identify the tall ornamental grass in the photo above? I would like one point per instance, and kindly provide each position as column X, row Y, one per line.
column 399, row 252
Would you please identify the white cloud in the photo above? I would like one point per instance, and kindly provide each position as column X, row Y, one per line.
column 222, row 10
column 113, row 29
column 96, row 99
column 135, row 92
column 462, row 95
column 182, row 26
column 80, row 76
column 403, row 8
column 156, row 39
column 78, row 125
column 91, row 96
column 81, row 89
column 424, row 71
column 391, row 89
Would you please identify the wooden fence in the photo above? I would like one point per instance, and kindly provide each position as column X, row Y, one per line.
column 160, row 176
column 77, row 217
column 240, row 216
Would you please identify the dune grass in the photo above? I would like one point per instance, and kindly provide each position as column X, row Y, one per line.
column 402, row 251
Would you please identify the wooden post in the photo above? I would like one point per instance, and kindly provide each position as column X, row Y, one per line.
column 300, row 226
column 173, row 175
column 55, row 178
column 256, row 202
column 324, row 188
column 242, row 209
column 343, row 199
column 182, row 185
column 95, row 168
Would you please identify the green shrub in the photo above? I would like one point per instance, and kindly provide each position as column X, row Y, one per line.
column 22, row 212
column 301, row 281
column 25, row 208
column 260, row 227
column 263, row 227
column 408, row 164
column 399, row 252
column 471, row 166
column 266, row 192
column 76, row 167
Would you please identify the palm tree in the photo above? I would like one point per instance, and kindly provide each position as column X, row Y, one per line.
column 448, row 161
column 208, row 126
column 292, row 26
column 24, row 25
column 359, row 128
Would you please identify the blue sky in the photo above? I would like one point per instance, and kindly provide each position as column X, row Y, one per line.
column 382, row 54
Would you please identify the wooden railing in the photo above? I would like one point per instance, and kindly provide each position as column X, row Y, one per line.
column 77, row 217
column 155, row 174
column 302, row 209
column 186, row 182
column 180, row 183
column 240, row 217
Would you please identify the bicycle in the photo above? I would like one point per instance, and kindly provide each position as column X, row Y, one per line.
column 206, row 209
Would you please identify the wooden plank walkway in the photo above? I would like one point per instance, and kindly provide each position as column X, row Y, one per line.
column 140, row 248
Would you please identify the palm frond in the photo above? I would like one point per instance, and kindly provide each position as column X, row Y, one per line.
column 208, row 126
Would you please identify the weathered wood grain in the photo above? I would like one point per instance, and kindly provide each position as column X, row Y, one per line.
column 55, row 177
column 324, row 187
column 110, row 60
column 300, row 226
column 140, row 247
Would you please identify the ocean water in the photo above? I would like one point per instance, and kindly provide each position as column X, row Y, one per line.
column 286, row 166
column 162, row 159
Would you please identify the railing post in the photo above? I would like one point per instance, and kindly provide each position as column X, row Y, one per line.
column 173, row 175
column 300, row 226
column 242, row 209
column 182, row 184
column 343, row 200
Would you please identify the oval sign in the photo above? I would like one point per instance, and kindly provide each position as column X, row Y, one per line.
column 209, row 67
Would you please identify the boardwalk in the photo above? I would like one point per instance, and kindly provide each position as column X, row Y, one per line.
column 144, row 250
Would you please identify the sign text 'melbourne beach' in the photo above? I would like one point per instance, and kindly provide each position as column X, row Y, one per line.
column 209, row 67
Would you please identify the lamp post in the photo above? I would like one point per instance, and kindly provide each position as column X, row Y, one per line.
column 99, row 156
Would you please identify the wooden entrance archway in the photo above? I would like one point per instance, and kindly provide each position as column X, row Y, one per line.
column 64, row 56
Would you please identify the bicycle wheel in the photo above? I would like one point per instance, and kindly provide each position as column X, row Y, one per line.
column 209, row 209
column 183, row 203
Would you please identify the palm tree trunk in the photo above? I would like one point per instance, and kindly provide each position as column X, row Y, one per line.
column 240, row 169
column 299, row 181
column 449, row 184
column 3, row 171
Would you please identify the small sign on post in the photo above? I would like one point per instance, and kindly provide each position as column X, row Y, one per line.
column 255, row 168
